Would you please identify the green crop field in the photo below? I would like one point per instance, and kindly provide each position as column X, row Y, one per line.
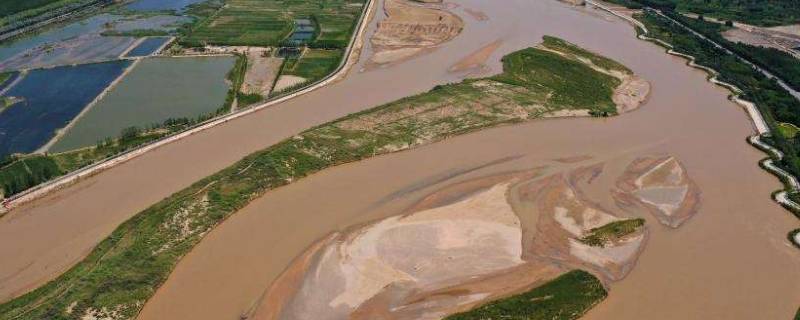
column 567, row 297
column 313, row 65
column 269, row 22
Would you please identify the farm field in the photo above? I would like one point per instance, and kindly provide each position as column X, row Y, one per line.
column 156, row 89
column 313, row 65
column 147, row 47
column 268, row 23
column 51, row 98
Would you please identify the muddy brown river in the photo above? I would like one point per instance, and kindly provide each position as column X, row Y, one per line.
column 730, row 261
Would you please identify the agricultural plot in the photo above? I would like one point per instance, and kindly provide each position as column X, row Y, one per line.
column 49, row 99
column 335, row 29
column 147, row 47
column 313, row 65
column 157, row 89
column 269, row 23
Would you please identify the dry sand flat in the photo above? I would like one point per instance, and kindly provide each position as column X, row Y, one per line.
column 410, row 29
column 475, row 63
column 447, row 253
column 721, row 264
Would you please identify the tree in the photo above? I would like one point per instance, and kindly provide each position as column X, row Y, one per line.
column 129, row 133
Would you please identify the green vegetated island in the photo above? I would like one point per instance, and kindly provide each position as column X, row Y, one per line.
column 125, row 269
column 267, row 25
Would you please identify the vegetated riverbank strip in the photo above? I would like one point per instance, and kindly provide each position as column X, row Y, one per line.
column 124, row 270
column 790, row 182
column 348, row 60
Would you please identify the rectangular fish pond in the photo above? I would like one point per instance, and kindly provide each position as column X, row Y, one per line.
column 48, row 99
column 148, row 46
column 156, row 89
column 81, row 42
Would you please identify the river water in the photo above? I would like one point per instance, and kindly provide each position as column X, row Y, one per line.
column 730, row 261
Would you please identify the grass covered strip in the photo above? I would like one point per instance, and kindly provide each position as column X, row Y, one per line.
column 567, row 297
column 612, row 232
column 124, row 270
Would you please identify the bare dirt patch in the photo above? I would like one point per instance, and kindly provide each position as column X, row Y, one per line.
column 410, row 28
column 262, row 69
column 784, row 38
column 288, row 81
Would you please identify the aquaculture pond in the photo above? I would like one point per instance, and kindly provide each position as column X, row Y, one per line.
column 49, row 100
column 155, row 90
column 147, row 47
column 161, row 5
column 303, row 32
column 80, row 42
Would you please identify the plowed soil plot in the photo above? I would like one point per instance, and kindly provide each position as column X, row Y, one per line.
column 51, row 98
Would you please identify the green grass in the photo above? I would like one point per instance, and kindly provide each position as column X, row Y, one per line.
column 314, row 64
column 610, row 232
column 788, row 130
column 27, row 172
column 126, row 268
column 269, row 22
column 600, row 61
column 567, row 297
